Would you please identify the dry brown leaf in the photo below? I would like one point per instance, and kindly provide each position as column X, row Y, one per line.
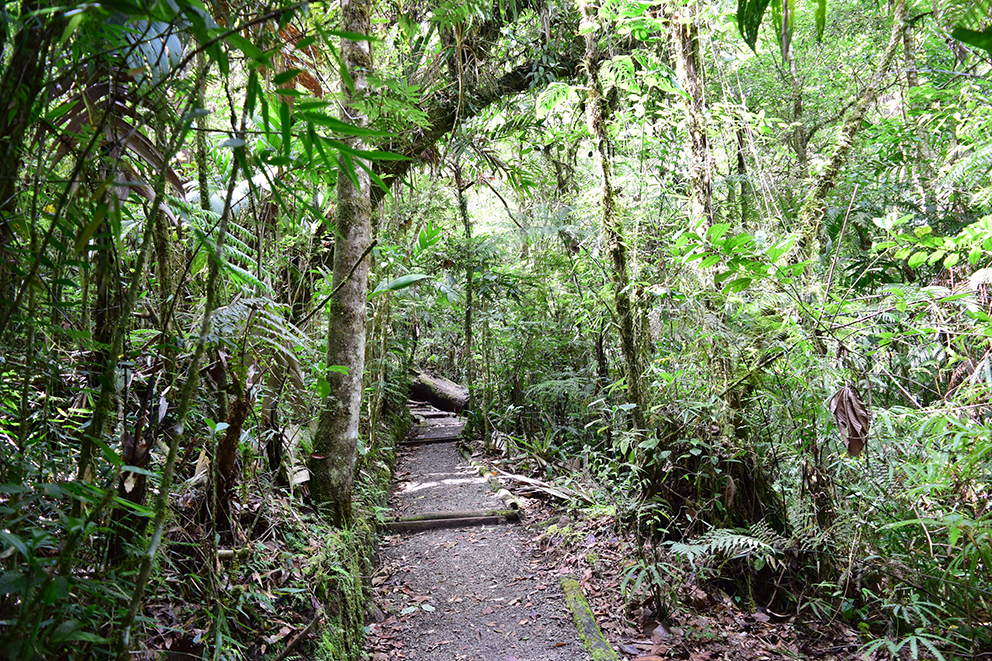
column 851, row 416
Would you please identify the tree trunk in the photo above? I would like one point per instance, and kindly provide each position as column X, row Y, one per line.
column 922, row 168
column 812, row 211
column 469, row 281
column 799, row 140
column 687, row 70
column 332, row 463
column 616, row 248
column 20, row 83
column 746, row 193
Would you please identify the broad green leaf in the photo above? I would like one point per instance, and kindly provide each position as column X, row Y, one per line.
column 336, row 125
column 740, row 284
column 285, row 76
column 247, row 47
column 254, row 91
column 820, row 15
column 399, row 283
column 351, row 36
column 16, row 542
column 917, row 259
column 323, row 387
column 749, row 15
column 84, row 237
column 981, row 40
column 709, row 261
column 714, row 233
column 72, row 25
column 340, row 369
column 953, row 534
column 285, row 124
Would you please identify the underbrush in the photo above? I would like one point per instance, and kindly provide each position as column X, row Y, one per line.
column 895, row 545
column 279, row 578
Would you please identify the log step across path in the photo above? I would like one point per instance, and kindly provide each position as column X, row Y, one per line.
column 459, row 578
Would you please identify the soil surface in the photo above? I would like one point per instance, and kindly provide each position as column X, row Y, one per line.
column 480, row 593
column 435, row 477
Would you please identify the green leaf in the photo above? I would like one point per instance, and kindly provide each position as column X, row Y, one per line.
column 84, row 237
column 350, row 36
column 16, row 542
column 953, row 534
column 917, row 259
column 740, row 284
column 749, row 15
column 820, row 15
column 247, row 47
column 72, row 25
column 336, row 125
column 323, row 387
column 285, row 76
column 340, row 369
column 709, row 261
column 399, row 283
column 981, row 39
column 285, row 123
column 714, row 233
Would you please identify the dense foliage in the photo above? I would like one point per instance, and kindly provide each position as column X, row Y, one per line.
column 744, row 292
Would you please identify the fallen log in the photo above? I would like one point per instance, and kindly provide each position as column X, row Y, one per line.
column 436, row 524
column 442, row 393
column 585, row 621
column 509, row 514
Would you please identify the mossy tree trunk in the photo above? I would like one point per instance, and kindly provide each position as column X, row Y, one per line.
column 687, row 67
column 332, row 463
column 813, row 208
column 922, row 168
column 21, row 81
column 616, row 248
column 469, row 282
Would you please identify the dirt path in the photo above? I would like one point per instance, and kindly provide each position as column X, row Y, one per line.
column 479, row 593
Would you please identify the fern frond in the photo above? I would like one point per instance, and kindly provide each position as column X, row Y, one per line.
column 972, row 169
column 731, row 543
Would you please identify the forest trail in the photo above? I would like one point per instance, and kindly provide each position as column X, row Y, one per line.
column 476, row 592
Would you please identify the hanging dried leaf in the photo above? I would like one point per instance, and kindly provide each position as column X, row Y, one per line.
column 852, row 417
